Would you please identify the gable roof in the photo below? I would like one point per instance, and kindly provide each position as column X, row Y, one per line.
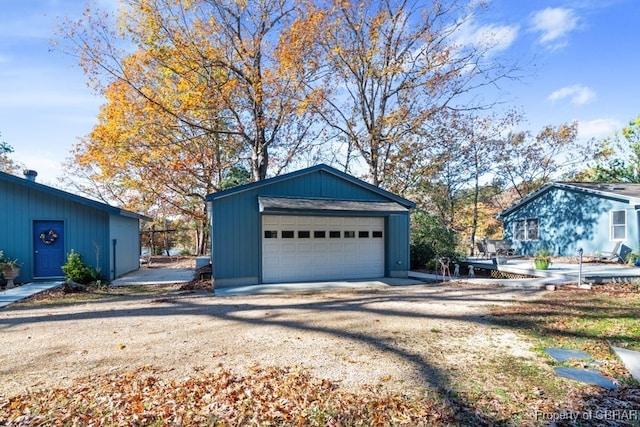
column 312, row 170
column 626, row 192
column 32, row 185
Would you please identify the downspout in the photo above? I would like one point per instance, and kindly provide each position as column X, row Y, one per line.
column 115, row 242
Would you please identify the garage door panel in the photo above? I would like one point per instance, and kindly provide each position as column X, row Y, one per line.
column 321, row 254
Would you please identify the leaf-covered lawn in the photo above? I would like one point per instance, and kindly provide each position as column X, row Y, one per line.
column 591, row 321
column 265, row 396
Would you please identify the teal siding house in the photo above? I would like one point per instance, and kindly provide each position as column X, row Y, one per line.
column 565, row 217
column 314, row 224
column 40, row 225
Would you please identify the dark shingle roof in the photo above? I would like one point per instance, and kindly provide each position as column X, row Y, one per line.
column 617, row 188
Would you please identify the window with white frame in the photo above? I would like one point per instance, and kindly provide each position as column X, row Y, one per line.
column 618, row 221
column 525, row 229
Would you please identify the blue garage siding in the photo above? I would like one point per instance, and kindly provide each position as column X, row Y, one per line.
column 236, row 232
column 569, row 220
column 235, row 239
column 397, row 254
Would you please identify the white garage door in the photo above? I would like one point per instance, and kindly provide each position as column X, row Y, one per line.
column 304, row 248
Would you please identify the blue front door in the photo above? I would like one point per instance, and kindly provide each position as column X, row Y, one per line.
column 48, row 245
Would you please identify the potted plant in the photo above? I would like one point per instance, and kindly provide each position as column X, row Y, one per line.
column 9, row 268
column 542, row 259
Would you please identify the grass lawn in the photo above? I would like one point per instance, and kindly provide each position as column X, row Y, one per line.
column 487, row 389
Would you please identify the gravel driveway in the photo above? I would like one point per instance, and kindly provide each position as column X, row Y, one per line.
column 400, row 338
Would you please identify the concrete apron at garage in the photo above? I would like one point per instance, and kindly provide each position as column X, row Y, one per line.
column 279, row 288
column 150, row 276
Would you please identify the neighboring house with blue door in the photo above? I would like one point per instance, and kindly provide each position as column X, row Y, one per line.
column 40, row 225
column 314, row 224
column 566, row 216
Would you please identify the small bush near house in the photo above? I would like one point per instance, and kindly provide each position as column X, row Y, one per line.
column 77, row 271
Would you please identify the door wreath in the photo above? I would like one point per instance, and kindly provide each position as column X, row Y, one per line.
column 48, row 237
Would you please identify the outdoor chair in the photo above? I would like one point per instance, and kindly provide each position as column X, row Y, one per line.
column 612, row 255
column 482, row 250
column 491, row 249
column 504, row 248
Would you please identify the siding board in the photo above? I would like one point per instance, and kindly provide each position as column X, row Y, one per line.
column 236, row 236
column 87, row 226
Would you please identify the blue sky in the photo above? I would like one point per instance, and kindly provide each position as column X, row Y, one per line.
column 581, row 57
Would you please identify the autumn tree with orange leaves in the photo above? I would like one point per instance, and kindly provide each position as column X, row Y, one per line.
column 148, row 161
column 194, row 89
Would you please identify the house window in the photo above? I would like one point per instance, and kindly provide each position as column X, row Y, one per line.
column 618, row 225
column 363, row 234
column 334, row 234
column 287, row 234
column 270, row 234
column 349, row 234
column 304, row 234
column 532, row 229
column 377, row 234
column 319, row 234
column 525, row 229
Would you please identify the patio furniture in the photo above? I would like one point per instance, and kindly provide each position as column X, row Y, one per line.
column 504, row 248
column 612, row 255
column 482, row 250
column 491, row 249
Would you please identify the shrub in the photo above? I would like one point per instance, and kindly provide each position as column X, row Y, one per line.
column 430, row 240
column 422, row 254
column 77, row 271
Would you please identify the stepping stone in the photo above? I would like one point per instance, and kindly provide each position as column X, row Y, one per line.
column 585, row 376
column 563, row 355
column 631, row 360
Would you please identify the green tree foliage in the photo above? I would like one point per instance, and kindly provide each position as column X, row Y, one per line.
column 617, row 157
column 234, row 177
column 430, row 239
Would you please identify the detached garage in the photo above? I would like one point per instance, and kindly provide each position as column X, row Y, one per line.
column 311, row 225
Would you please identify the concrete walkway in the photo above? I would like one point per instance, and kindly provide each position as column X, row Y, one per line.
column 588, row 272
column 536, row 282
column 12, row 295
column 160, row 276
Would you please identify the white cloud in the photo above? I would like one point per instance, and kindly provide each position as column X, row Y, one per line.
column 598, row 128
column 554, row 25
column 492, row 37
column 578, row 94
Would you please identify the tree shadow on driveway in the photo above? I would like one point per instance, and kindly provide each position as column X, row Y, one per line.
column 389, row 324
